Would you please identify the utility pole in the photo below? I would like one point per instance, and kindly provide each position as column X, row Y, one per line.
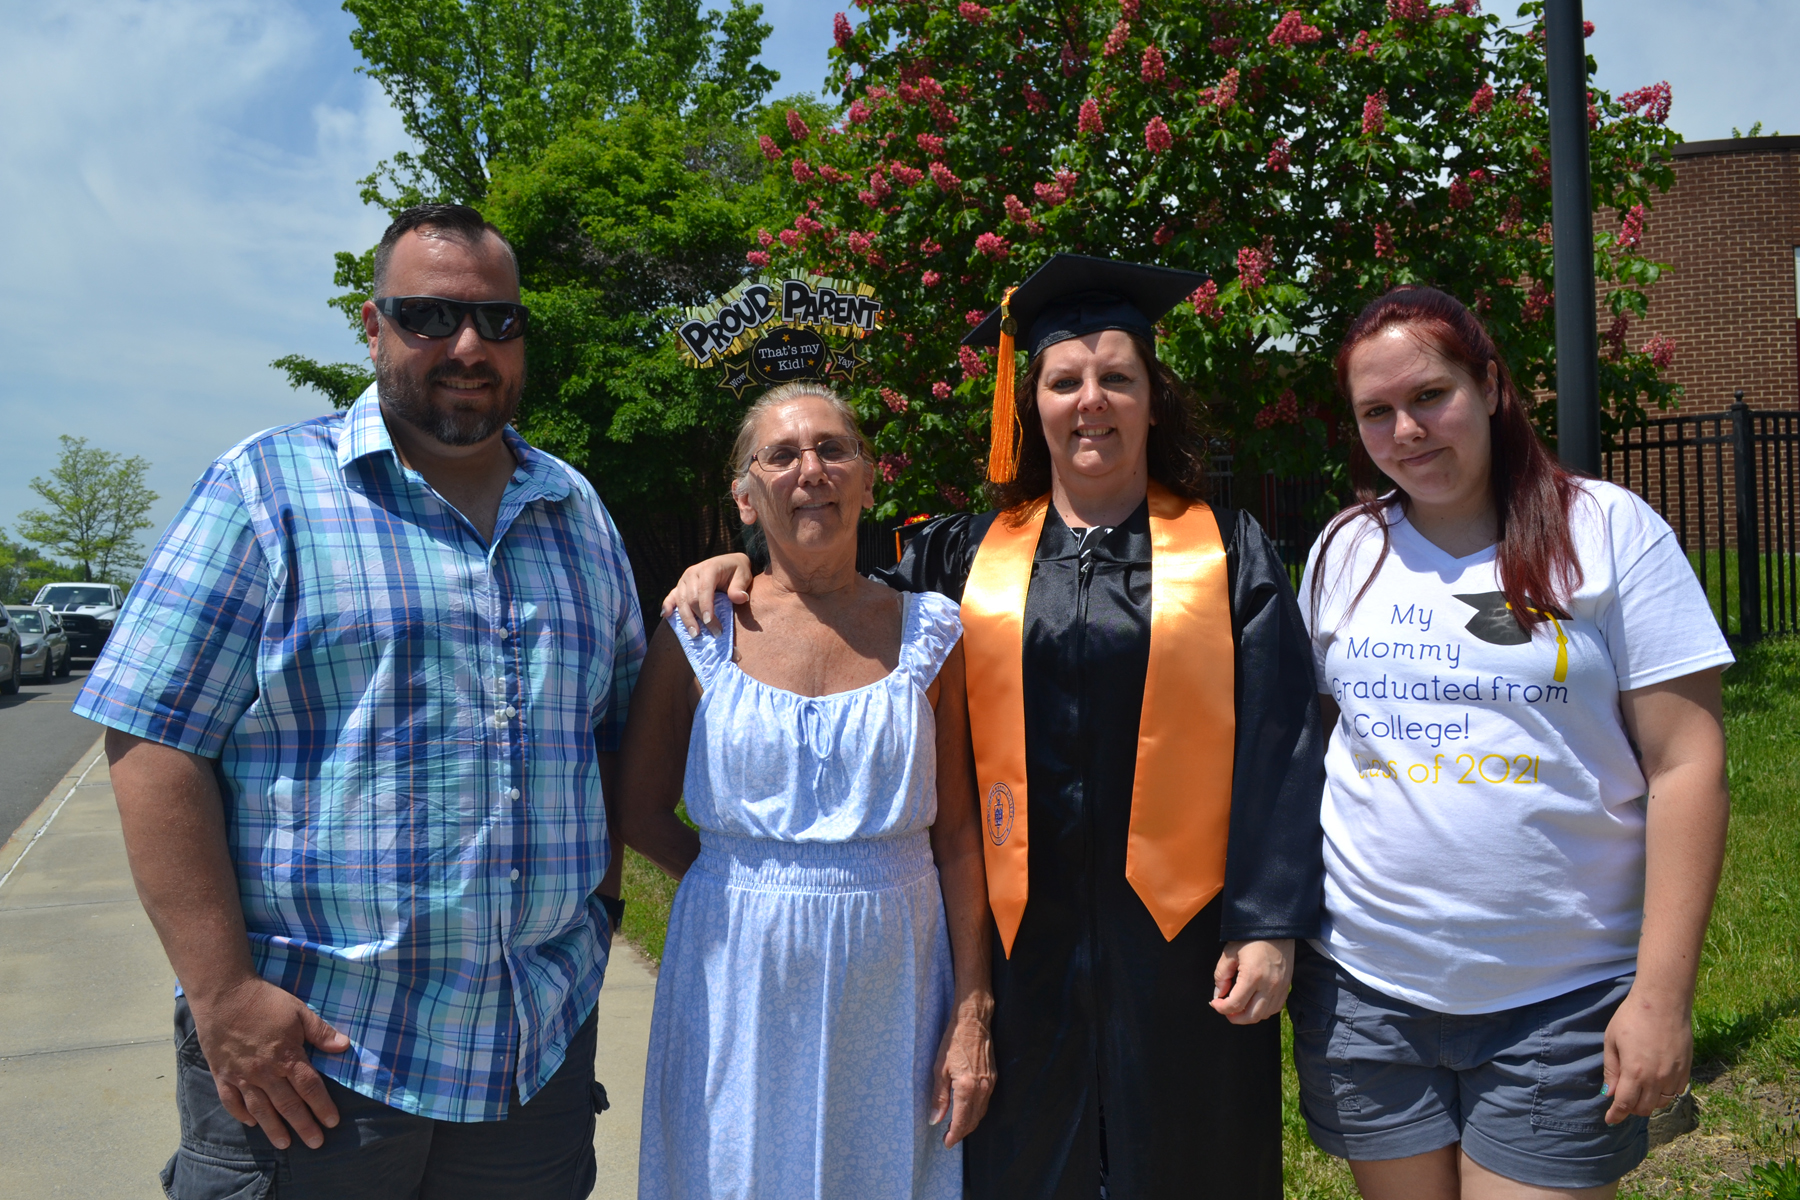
column 1572, row 224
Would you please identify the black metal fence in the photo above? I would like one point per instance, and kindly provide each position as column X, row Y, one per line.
column 1729, row 485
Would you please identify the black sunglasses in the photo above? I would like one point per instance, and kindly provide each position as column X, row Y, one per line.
column 436, row 317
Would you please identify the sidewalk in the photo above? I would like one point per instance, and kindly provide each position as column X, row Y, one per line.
column 87, row 1100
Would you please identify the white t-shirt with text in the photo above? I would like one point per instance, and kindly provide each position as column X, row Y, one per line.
column 1484, row 809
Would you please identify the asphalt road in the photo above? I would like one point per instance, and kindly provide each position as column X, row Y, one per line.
column 40, row 739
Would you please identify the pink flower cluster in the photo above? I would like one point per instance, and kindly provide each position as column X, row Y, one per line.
column 1222, row 95
column 1157, row 138
column 1661, row 349
column 1226, row 47
column 972, row 366
column 1129, row 9
column 974, row 317
column 757, row 258
column 1468, row 8
column 1016, row 211
column 894, row 400
column 1292, row 30
column 1089, row 121
column 1653, row 102
column 1460, row 196
column 1252, row 265
column 930, row 279
column 1163, row 234
column 943, row 177
column 890, row 466
column 931, row 247
column 796, row 127
column 1375, row 112
column 906, row 176
column 1538, row 301
column 803, row 174
column 1614, row 338
column 762, row 235
column 1206, row 300
column 1035, row 100
column 1408, row 10
column 1058, row 192
column 1363, row 43
column 953, row 495
column 769, row 149
column 860, row 242
column 1587, row 29
column 1115, row 41
column 1631, row 229
column 790, row 238
column 931, row 144
column 1071, row 62
column 1483, row 99
column 1285, row 411
column 831, row 174
column 859, row 111
column 972, row 12
column 1384, row 241
column 841, row 33
column 1151, row 67
column 1280, row 155
column 806, row 225
column 993, row 246
column 941, row 390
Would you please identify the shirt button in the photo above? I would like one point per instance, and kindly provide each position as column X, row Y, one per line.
column 505, row 633
column 511, row 711
column 515, row 875
column 513, row 794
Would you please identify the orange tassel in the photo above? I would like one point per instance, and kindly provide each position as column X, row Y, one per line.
column 1003, row 444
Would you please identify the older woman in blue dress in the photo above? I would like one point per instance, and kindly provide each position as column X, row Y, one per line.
column 824, row 998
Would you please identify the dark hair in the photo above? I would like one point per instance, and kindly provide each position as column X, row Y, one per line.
column 457, row 222
column 1533, row 493
column 1177, row 442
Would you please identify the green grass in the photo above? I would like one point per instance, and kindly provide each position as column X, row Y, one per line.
column 1721, row 577
column 1746, row 1013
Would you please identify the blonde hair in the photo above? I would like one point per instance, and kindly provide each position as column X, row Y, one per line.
column 743, row 450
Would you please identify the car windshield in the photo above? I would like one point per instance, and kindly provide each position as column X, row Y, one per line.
column 62, row 597
column 29, row 622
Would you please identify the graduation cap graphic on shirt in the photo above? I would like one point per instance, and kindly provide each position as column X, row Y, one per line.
column 1493, row 621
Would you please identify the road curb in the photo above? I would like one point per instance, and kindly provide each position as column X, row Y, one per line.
column 33, row 826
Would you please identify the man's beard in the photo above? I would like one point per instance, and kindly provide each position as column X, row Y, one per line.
column 410, row 398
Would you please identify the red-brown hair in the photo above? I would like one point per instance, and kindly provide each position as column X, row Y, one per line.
column 1533, row 493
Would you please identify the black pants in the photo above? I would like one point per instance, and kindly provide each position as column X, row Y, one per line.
column 544, row 1149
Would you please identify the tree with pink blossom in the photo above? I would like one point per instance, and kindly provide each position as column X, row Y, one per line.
column 1326, row 153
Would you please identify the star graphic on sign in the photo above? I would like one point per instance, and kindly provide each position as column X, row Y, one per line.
column 737, row 379
column 846, row 361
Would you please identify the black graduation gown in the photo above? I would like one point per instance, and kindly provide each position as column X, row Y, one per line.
column 1107, row 1052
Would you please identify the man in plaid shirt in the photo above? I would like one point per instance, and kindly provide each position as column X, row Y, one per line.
column 363, row 705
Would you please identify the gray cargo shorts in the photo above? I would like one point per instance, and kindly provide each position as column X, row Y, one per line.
column 1520, row 1089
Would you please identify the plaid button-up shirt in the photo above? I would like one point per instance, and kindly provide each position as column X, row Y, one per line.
column 406, row 722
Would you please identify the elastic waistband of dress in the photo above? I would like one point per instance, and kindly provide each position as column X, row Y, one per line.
column 765, row 864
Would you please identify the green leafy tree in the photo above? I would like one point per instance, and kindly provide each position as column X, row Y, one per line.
column 96, row 503
column 479, row 83
column 23, row 571
column 1306, row 158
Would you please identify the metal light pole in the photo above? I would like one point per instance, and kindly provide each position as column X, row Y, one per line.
column 1572, row 223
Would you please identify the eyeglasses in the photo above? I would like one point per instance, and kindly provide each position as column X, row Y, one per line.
column 832, row 451
column 436, row 317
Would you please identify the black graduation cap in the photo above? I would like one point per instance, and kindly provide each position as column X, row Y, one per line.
column 1070, row 296
column 1493, row 621
column 1074, row 295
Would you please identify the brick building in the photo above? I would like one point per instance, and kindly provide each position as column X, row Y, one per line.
column 1730, row 228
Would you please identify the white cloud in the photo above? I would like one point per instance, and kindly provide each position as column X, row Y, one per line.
column 176, row 175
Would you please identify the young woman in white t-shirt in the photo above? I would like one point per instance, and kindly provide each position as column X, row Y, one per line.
column 1525, row 805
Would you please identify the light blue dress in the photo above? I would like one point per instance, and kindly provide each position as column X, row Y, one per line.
column 806, row 980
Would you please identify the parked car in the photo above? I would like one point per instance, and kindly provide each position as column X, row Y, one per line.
column 9, row 655
column 88, row 611
column 43, row 645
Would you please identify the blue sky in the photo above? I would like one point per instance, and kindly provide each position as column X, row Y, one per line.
column 176, row 174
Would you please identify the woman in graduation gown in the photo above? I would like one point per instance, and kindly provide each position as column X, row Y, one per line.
column 1147, row 743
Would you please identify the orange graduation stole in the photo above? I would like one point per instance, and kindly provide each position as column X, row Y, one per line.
column 1181, row 794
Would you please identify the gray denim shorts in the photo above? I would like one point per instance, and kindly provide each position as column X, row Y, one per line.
column 1520, row 1089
